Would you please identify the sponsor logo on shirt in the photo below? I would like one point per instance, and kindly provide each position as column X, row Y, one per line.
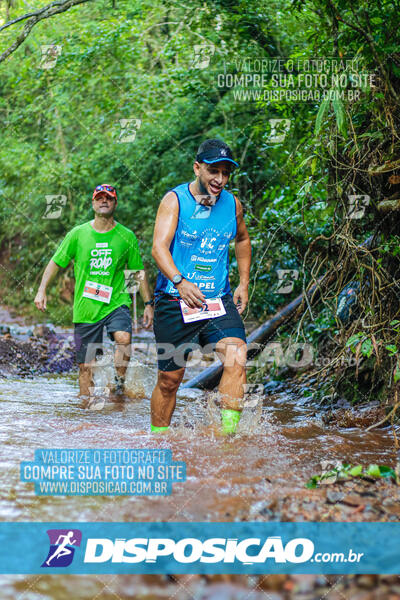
column 192, row 236
column 205, row 268
column 209, row 241
column 201, row 259
column 198, row 277
column 101, row 259
column 209, row 285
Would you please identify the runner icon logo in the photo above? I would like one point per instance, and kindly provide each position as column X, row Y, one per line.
column 62, row 547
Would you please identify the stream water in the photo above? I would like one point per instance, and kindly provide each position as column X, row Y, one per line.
column 258, row 474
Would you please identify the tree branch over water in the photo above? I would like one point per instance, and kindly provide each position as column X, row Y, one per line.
column 35, row 17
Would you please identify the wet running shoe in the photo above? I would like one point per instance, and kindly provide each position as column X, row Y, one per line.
column 118, row 390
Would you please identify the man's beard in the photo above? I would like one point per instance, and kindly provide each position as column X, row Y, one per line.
column 204, row 197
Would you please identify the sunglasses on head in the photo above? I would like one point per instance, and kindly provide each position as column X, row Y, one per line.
column 105, row 188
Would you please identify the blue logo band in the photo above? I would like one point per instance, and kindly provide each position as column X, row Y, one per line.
column 251, row 548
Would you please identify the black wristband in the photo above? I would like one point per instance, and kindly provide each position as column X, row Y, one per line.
column 149, row 303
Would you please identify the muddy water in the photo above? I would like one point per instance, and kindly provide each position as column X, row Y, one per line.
column 226, row 478
column 258, row 474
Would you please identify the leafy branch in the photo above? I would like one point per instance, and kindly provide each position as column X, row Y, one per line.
column 35, row 17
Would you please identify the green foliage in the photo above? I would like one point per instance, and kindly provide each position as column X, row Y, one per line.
column 61, row 130
column 346, row 471
column 61, row 126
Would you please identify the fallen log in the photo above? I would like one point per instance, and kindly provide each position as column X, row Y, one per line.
column 389, row 204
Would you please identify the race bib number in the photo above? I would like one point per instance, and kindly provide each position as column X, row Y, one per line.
column 97, row 291
column 212, row 307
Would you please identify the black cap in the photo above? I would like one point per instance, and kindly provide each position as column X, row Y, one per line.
column 214, row 155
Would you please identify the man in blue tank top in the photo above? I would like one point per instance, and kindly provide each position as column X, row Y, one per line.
column 194, row 305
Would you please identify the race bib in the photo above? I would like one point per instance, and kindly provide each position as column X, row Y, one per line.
column 212, row 307
column 97, row 291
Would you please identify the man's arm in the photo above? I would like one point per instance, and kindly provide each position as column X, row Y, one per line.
column 49, row 273
column 144, row 287
column 164, row 231
column 144, row 290
column 243, row 257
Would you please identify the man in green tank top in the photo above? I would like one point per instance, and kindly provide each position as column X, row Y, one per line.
column 102, row 249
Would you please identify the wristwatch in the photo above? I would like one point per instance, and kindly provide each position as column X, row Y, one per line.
column 177, row 279
column 149, row 302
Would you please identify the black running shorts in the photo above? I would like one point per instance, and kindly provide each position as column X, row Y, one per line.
column 176, row 339
column 89, row 336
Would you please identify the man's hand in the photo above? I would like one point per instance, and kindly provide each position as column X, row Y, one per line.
column 241, row 297
column 41, row 300
column 148, row 316
column 190, row 293
column 49, row 272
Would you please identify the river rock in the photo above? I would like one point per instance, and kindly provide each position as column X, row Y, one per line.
column 395, row 589
column 367, row 581
column 273, row 582
column 264, row 507
column 43, row 330
column 390, row 579
column 304, row 583
column 333, row 595
column 332, row 497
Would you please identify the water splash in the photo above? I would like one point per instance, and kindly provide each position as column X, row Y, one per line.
column 250, row 420
column 137, row 379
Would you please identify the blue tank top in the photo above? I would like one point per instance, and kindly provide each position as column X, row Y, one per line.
column 200, row 247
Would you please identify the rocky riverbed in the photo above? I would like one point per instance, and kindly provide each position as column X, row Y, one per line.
column 34, row 351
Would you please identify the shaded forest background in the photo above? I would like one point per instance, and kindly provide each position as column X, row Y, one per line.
column 161, row 64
